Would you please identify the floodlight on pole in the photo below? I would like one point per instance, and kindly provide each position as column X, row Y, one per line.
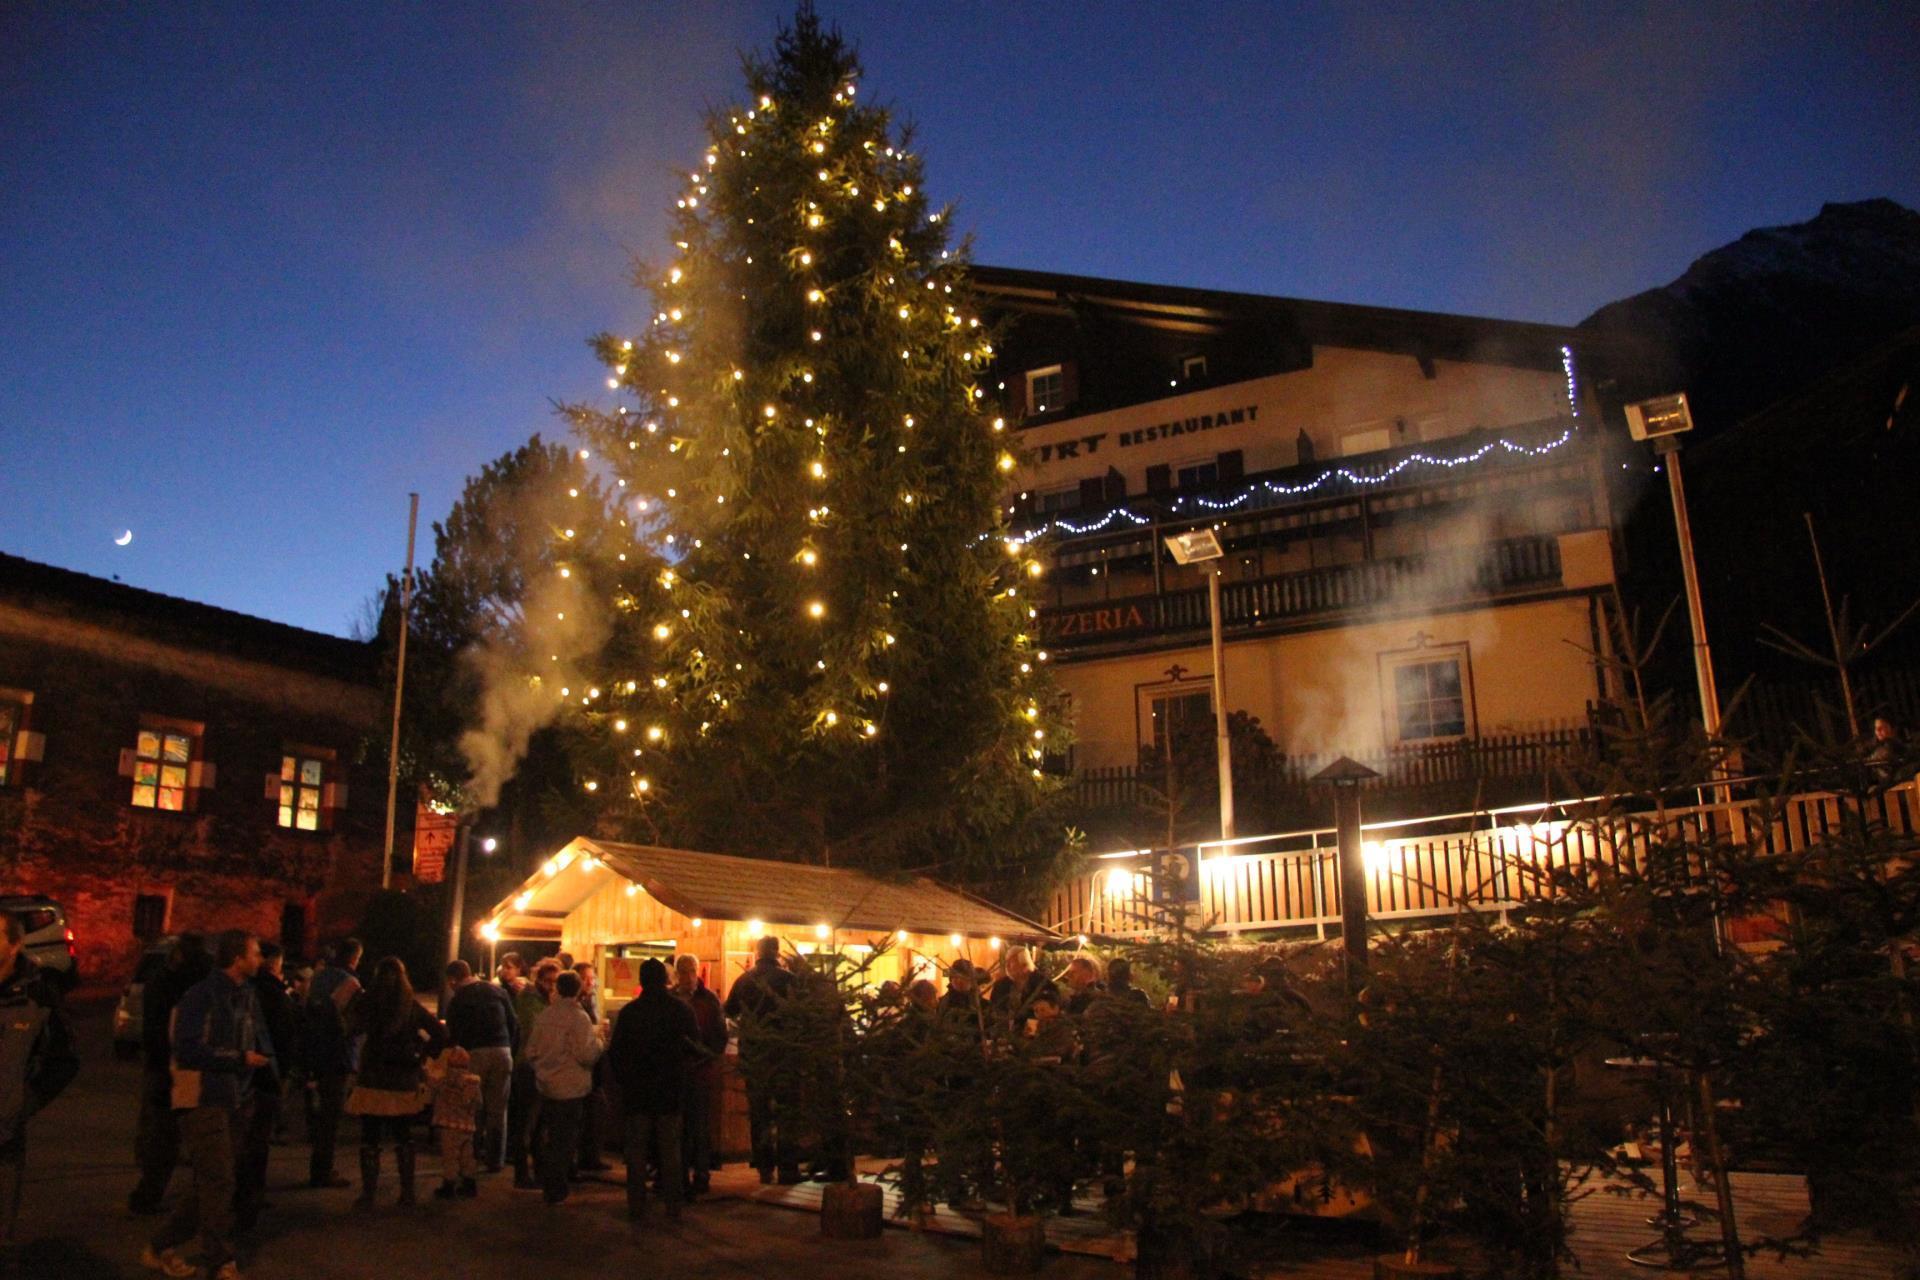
column 1202, row 546
column 1661, row 422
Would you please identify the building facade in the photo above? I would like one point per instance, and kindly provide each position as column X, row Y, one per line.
column 169, row 766
column 1414, row 511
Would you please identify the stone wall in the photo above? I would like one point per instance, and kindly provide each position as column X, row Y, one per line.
column 68, row 829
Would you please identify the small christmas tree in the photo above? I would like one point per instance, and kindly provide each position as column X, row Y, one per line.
column 832, row 654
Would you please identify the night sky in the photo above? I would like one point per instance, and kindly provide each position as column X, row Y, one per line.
column 264, row 268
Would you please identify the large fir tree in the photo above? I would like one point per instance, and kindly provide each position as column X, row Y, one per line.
column 831, row 653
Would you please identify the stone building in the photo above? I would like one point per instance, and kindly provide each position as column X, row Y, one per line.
column 167, row 765
column 1415, row 512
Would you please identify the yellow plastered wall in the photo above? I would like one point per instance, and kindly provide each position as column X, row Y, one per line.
column 1346, row 391
column 1320, row 692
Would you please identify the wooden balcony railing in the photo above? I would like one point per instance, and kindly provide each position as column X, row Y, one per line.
column 1463, row 573
column 1433, row 866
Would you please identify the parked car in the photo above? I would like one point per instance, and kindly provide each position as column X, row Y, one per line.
column 49, row 941
column 127, row 1020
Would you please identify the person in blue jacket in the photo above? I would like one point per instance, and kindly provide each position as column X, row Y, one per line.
column 220, row 1040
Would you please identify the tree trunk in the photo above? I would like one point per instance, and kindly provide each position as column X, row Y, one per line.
column 851, row 1211
column 1010, row 1245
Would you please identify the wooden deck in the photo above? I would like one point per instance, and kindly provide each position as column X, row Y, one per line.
column 1605, row 1227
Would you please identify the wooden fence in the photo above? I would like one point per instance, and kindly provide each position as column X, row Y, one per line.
column 1431, row 867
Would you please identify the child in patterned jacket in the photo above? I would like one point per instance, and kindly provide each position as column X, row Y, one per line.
column 456, row 1108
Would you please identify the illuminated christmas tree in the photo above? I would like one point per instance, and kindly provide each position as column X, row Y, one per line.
column 831, row 651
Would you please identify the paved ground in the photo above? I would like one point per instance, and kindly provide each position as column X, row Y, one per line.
column 80, row 1167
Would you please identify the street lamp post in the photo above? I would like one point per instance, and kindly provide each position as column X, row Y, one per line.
column 1662, row 421
column 1201, row 546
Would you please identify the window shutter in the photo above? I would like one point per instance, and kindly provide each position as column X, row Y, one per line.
column 1069, row 381
column 1160, row 478
column 1093, row 492
column 28, row 745
column 334, row 796
column 126, row 762
column 1017, row 396
column 273, row 787
column 200, row 775
column 1231, row 466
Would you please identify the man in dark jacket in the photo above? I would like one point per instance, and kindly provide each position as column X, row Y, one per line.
column 653, row 1045
column 37, row 1060
column 1018, row 990
column 276, row 1014
column 703, row 1077
column 480, row 1019
column 328, row 1055
column 755, row 1003
column 219, row 1042
column 1120, row 983
column 156, row 1141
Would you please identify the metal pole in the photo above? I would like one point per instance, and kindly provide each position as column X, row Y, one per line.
column 459, row 892
column 399, row 682
column 1223, row 745
column 1696, row 616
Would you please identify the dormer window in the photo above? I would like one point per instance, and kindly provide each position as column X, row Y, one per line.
column 1047, row 388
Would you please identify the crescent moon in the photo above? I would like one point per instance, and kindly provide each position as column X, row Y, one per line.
column 123, row 539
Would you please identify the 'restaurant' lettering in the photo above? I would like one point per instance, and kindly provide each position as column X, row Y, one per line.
column 1188, row 426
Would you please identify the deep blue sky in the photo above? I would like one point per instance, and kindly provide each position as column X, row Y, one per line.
column 266, row 267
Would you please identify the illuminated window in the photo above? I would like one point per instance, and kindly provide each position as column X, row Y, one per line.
column 302, row 780
column 1047, row 388
column 162, row 758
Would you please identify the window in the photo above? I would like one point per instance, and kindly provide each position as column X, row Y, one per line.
column 1429, row 694
column 161, row 760
column 306, row 790
column 149, row 916
column 1193, row 368
column 9, row 727
column 18, row 743
column 1170, row 710
column 1048, row 501
column 301, row 779
column 1199, row 475
column 1046, row 388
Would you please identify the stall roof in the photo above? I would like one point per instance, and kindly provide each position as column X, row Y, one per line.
column 717, row 886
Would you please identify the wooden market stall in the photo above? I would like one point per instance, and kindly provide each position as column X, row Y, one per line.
column 618, row 904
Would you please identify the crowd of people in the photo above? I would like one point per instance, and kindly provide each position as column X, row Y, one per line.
column 513, row 1072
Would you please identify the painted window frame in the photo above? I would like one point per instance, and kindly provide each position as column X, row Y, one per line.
column 1394, row 722
column 1055, row 372
column 165, row 730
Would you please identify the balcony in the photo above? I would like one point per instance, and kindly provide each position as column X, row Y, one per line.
column 1484, row 572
